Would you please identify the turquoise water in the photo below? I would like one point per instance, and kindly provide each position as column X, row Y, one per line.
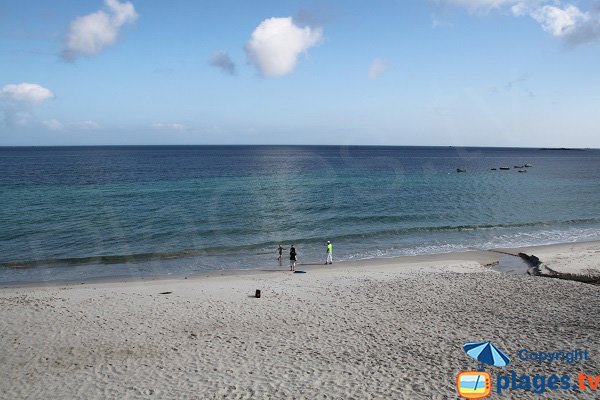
column 84, row 212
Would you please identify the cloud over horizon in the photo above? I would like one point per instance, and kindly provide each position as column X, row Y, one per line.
column 276, row 44
column 173, row 126
column 25, row 93
column 18, row 98
column 53, row 124
column 87, row 125
column 90, row 34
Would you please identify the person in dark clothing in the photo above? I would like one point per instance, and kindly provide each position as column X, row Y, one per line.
column 280, row 251
column 292, row 258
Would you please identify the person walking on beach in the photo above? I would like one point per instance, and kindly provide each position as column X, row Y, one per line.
column 280, row 251
column 329, row 259
column 292, row 258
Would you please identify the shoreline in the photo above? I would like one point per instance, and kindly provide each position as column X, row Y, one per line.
column 485, row 258
column 386, row 328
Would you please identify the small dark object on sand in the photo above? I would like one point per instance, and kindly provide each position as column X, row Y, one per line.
column 257, row 294
column 165, row 292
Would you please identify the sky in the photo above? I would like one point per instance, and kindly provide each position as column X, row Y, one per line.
column 515, row 73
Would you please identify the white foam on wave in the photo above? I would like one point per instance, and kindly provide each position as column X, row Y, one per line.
column 519, row 239
column 554, row 236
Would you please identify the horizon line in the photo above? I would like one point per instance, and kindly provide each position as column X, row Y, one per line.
column 298, row 145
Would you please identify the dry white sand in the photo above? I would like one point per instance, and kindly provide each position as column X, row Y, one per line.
column 385, row 329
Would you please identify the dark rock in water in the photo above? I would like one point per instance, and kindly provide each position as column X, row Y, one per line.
column 534, row 263
column 460, row 170
column 531, row 259
column 537, row 269
column 505, row 168
column 493, row 169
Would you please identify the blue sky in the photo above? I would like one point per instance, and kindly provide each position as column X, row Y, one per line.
column 404, row 72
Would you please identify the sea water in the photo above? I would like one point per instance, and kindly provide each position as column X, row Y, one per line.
column 87, row 212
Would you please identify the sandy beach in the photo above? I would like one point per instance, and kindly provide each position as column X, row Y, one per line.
column 376, row 329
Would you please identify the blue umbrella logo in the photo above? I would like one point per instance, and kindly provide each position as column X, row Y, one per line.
column 486, row 353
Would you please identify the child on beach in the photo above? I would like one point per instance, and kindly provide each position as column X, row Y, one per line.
column 292, row 258
column 280, row 251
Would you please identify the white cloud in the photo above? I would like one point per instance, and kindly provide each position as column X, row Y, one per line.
column 276, row 44
column 520, row 9
column 17, row 100
column 90, row 34
column 169, row 126
column 378, row 66
column 564, row 21
column 25, row 93
column 567, row 22
column 559, row 22
column 53, row 125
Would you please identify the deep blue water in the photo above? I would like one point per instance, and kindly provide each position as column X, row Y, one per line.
column 83, row 212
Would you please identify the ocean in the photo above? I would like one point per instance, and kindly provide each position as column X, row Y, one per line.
column 71, row 213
